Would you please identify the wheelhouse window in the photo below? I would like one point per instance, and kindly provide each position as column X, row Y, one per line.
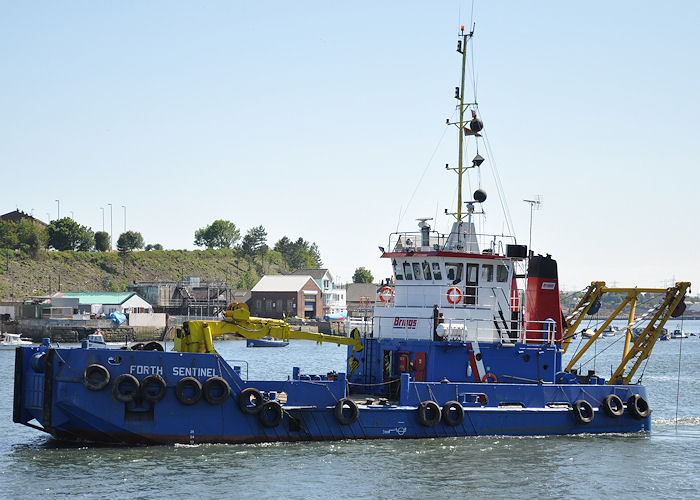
column 487, row 272
column 502, row 273
column 436, row 271
column 426, row 271
column 398, row 273
column 472, row 273
column 407, row 271
column 416, row 270
column 454, row 271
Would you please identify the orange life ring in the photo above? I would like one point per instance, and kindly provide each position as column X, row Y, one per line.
column 386, row 294
column 489, row 376
column 458, row 294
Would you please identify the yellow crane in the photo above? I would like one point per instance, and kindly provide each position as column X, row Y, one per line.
column 635, row 350
column 197, row 336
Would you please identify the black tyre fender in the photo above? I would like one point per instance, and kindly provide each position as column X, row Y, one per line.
column 447, row 413
column 125, row 388
column 95, row 377
column 583, row 411
column 339, row 411
column 270, row 414
column 612, row 405
column 192, row 384
column 153, row 346
column 216, row 390
column 153, row 388
column 250, row 396
column 638, row 407
column 429, row 413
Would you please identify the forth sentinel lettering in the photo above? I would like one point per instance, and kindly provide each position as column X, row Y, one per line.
column 405, row 323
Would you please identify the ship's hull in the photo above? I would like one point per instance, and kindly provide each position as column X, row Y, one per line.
column 52, row 393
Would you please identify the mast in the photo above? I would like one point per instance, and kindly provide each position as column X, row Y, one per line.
column 459, row 94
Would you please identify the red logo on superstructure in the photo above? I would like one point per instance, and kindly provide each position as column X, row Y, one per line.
column 405, row 323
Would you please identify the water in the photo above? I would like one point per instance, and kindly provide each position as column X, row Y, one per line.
column 663, row 464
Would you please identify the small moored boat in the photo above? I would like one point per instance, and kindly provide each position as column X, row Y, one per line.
column 266, row 342
column 12, row 340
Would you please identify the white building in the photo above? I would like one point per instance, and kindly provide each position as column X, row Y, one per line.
column 333, row 297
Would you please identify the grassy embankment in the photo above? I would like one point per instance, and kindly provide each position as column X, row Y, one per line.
column 22, row 276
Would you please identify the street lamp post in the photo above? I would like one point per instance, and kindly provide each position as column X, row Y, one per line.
column 111, row 226
column 103, row 218
column 58, row 209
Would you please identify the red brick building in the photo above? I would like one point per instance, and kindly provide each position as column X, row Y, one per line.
column 275, row 296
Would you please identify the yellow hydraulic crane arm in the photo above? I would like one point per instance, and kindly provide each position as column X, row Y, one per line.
column 633, row 353
column 197, row 336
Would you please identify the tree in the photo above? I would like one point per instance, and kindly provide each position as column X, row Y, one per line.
column 66, row 234
column 129, row 241
column 150, row 247
column 362, row 275
column 255, row 242
column 8, row 235
column 101, row 241
column 299, row 254
column 220, row 234
column 86, row 240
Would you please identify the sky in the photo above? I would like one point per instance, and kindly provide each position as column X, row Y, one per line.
column 326, row 120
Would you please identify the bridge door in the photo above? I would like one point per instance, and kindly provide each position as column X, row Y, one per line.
column 472, row 282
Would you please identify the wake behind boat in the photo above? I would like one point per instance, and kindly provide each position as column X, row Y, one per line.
column 467, row 339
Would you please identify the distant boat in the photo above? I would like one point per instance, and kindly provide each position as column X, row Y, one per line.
column 587, row 333
column 678, row 334
column 12, row 340
column 97, row 341
column 610, row 332
column 266, row 342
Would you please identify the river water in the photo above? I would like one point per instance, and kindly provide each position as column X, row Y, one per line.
column 662, row 464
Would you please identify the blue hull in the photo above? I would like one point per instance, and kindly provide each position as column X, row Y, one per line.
column 51, row 387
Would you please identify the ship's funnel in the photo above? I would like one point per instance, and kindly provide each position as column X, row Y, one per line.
column 543, row 317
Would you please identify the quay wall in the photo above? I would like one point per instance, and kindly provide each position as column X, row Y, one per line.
column 66, row 330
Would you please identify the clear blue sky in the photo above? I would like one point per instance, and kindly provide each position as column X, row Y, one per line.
column 317, row 119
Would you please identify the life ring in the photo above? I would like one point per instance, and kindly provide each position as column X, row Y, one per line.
column 386, row 294
column 489, row 377
column 612, row 405
column 453, row 292
column 153, row 388
column 125, row 388
column 95, row 377
column 429, row 413
column 339, row 411
column 250, row 401
column 216, row 390
column 270, row 414
column 583, row 411
column 638, row 407
column 447, row 413
column 188, row 385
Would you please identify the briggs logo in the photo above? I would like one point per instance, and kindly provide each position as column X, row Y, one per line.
column 405, row 323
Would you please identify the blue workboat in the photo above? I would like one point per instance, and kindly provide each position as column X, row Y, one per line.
column 468, row 338
column 266, row 342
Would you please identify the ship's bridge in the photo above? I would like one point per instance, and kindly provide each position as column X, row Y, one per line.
column 448, row 280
